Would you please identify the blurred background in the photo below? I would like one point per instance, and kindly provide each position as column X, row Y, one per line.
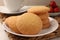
column 35, row 2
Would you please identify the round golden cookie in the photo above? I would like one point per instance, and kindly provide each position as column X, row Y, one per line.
column 45, row 20
column 11, row 23
column 38, row 9
column 29, row 24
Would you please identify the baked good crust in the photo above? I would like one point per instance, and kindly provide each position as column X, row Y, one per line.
column 29, row 23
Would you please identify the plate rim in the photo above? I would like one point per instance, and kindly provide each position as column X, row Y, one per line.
column 54, row 14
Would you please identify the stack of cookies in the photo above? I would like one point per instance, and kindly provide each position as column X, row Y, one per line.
column 31, row 22
column 42, row 12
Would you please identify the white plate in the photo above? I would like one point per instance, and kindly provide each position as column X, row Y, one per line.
column 52, row 28
column 54, row 14
column 3, row 9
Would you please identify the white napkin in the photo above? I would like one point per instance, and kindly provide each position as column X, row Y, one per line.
column 3, row 34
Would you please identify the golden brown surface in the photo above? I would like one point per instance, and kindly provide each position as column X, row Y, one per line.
column 29, row 23
column 45, row 20
column 11, row 23
column 38, row 9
